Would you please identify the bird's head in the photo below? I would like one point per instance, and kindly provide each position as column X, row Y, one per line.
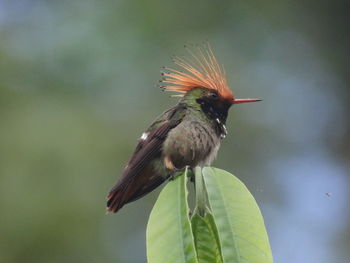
column 202, row 80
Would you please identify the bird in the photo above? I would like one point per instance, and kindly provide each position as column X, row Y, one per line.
column 186, row 135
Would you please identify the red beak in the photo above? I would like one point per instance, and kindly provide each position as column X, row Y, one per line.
column 238, row 101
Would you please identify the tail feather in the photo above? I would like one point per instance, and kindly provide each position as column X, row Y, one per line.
column 133, row 189
column 114, row 201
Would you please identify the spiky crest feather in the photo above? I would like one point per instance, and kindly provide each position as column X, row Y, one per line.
column 201, row 70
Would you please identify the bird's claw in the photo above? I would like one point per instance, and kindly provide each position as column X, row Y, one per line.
column 176, row 172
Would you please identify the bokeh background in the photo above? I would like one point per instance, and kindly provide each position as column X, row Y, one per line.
column 77, row 88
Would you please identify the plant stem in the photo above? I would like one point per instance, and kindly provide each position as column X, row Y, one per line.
column 200, row 192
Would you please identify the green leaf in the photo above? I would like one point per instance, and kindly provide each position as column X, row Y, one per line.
column 239, row 223
column 206, row 239
column 169, row 234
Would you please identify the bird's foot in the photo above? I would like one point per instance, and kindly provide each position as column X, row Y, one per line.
column 176, row 172
column 190, row 174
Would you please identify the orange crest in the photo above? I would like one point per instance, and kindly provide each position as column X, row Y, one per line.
column 201, row 70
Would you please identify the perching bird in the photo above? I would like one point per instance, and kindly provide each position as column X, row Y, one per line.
column 188, row 134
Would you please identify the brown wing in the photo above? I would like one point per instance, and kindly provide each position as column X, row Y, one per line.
column 139, row 176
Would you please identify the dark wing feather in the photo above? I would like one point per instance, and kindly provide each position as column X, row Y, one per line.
column 139, row 177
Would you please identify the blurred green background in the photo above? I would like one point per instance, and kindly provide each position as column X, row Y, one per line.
column 77, row 88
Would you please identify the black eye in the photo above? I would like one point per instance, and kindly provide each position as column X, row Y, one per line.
column 213, row 95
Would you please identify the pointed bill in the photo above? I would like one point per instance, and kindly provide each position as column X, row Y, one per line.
column 239, row 101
